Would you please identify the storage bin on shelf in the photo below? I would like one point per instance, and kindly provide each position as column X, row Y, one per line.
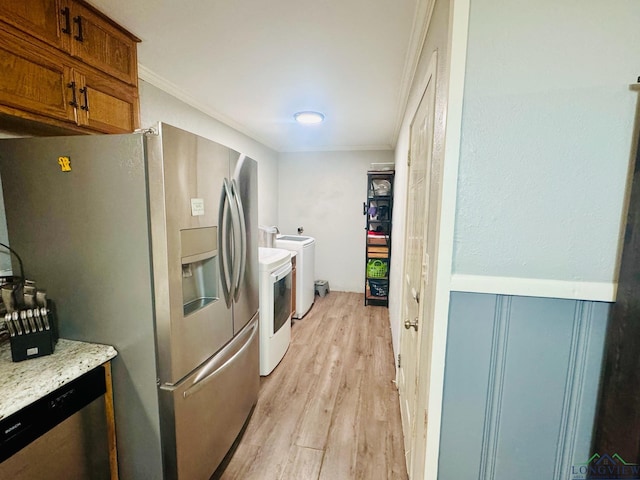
column 376, row 268
column 375, row 238
column 378, row 288
column 381, row 187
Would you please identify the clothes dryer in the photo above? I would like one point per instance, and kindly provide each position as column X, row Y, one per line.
column 275, row 306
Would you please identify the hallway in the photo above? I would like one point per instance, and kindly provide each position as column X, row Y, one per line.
column 330, row 409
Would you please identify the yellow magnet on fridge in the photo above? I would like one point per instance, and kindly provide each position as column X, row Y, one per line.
column 65, row 164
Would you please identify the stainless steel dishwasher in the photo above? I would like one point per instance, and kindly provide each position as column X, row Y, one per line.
column 62, row 436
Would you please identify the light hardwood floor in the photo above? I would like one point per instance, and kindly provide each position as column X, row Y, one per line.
column 330, row 410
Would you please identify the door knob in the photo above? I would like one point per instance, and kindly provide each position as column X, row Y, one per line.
column 409, row 324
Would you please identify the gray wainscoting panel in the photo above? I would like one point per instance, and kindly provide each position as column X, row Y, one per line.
column 521, row 383
column 469, row 351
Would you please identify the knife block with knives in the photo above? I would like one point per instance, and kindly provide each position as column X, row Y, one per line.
column 30, row 320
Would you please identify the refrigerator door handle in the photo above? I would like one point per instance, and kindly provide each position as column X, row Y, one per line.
column 222, row 244
column 237, row 239
column 243, row 238
column 226, row 357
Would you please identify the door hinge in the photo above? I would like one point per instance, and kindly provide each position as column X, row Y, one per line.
column 398, row 360
column 409, row 158
column 147, row 131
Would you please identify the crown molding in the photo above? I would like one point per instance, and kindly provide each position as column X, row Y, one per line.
column 421, row 21
column 172, row 89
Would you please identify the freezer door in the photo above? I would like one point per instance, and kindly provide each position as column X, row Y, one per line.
column 193, row 321
column 202, row 416
column 77, row 214
column 245, row 187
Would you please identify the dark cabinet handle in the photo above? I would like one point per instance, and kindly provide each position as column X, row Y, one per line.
column 85, row 107
column 364, row 208
column 74, row 99
column 67, row 21
column 78, row 21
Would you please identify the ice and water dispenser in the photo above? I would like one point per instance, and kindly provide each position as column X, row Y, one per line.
column 199, row 250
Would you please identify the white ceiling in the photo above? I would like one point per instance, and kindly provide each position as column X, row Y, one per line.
column 253, row 64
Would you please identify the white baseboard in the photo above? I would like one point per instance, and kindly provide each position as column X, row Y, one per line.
column 534, row 287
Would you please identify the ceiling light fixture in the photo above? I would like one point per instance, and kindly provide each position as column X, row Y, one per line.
column 308, row 117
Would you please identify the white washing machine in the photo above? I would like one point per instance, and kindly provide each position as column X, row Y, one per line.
column 305, row 247
column 275, row 306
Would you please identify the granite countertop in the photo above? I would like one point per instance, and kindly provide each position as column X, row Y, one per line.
column 22, row 383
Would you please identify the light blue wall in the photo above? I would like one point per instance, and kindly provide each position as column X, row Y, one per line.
column 547, row 136
column 521, row 384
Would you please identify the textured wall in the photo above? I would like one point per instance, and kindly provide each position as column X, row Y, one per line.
column 520, row 386
column 547, row 138
column 324, row 192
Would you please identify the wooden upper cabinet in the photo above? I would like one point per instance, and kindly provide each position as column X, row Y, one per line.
column 41, row 19
column 34, row 82
column 104, row 104
column 99, row 43
column 78, row 29
column 66, row 65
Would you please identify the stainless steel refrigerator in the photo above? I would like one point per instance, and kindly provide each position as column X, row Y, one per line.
column 148, row 242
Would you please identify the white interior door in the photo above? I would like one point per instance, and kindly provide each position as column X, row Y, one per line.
column 420, row 248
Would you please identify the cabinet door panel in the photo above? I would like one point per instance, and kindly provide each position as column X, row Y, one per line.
column 33, row 82
column 103, row 46
column 39, row 18
column 106, row 105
